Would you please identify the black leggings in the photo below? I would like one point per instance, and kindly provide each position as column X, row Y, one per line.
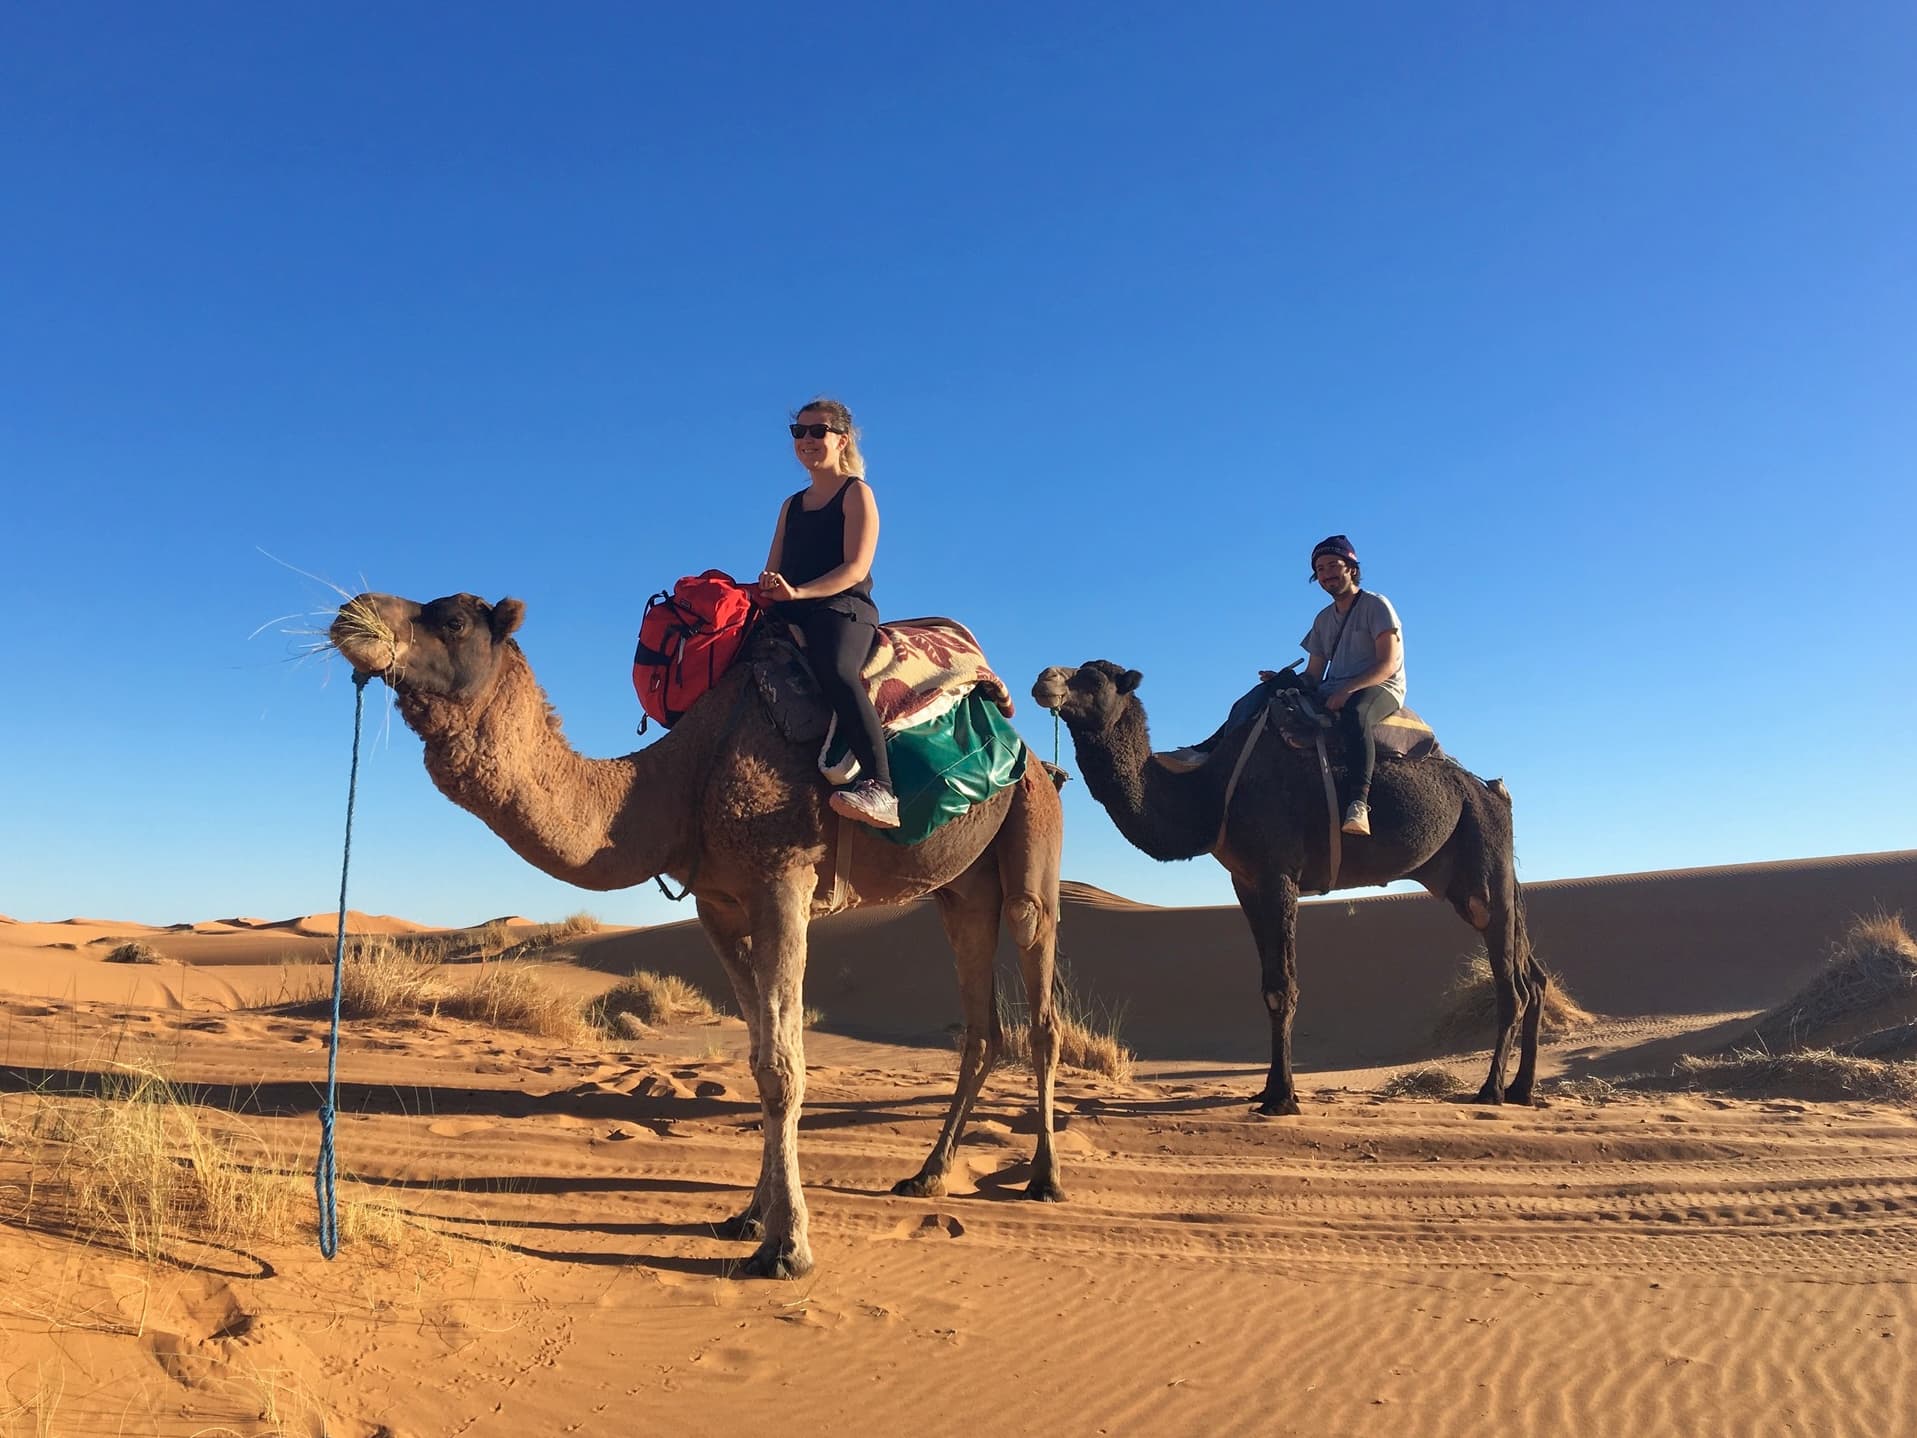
column 838, row 646
column 1356, row 720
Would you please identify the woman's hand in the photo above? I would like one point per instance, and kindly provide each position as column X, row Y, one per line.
column 774, row 589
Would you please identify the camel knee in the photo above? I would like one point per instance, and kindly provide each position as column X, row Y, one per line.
column 1027, row 919
column 781, row 1082
column 1477, row 913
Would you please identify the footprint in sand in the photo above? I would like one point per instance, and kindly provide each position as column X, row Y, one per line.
column 459, row 1127
column 932, row 1225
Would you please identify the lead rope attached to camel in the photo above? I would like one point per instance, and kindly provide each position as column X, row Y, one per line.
column 325, row 1172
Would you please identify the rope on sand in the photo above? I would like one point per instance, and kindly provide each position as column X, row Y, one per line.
column 326, row 1171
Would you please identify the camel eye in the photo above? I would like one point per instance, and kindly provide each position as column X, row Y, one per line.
column 457, row 624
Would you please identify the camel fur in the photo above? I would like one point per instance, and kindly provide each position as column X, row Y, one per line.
column 1431, row 821
column 728, row 808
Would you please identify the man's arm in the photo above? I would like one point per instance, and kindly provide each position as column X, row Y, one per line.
column 1390, row 652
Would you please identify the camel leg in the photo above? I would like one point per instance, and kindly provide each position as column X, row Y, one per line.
column 1028, row 855
column 778, row 920
column 725, row 926
column 1273, row 916
column 1497, row 922
column 969, row 910
column 1524, row 963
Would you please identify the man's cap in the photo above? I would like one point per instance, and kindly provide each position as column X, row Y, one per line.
column 1337, row 544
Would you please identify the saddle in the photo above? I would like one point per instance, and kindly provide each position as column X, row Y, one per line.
column 918, row 671
column 1300, row 720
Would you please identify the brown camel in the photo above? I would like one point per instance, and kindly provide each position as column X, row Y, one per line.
column 1431, row 821
column 733, row 811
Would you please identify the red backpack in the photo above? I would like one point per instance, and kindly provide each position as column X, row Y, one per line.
column 688, row 637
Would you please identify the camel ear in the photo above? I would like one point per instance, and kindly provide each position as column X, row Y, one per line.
column 508, row 615
column 1129, row 681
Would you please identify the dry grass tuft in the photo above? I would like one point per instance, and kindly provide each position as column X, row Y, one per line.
column 135, row 952
column 1586, row 1090
column 1423, row 1081
column 396, row 978
column 144, row 1169
column 509, row 997
column 1468, row 1013
column 1087, row 1041
column 1808, row 1074
column 1871, row 978
column 385, row 979
column 656, row 999
column 360, row 621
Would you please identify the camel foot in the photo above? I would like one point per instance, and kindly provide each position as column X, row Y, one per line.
column 777, row 1260
column 1519, row 1094
column 1045, row 1189
column 747, row 1225
column 921, row 1185
column 1279, row 1108
column 1489, row 1094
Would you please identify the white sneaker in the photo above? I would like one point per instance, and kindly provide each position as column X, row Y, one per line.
column 1358, row 819
column 867, row 802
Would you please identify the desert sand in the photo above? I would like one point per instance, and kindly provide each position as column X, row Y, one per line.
column 1627, row 1257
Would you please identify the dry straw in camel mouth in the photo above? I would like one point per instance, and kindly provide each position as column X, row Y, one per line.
column 361, row 625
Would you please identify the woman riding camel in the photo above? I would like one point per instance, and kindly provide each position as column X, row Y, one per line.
column 818, row 577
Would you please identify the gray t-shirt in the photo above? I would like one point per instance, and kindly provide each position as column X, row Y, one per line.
column 1356, row 636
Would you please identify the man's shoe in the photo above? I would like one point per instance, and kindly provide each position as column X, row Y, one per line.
column 1358, row 819
column 1183, row 761
column 867, row 802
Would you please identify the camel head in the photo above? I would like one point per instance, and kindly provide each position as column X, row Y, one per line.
column 448, row 649
column 1089, row 698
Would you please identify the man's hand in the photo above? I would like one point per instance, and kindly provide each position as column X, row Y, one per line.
column 1335, row 700
column 1267, row 675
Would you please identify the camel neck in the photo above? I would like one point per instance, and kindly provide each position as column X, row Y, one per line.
column 597, row 823
column 1169, row 816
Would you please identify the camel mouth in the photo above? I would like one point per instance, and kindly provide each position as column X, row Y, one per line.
column 363, row 637
column 1048, row 691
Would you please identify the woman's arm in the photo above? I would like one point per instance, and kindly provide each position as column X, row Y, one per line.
column 861, row 543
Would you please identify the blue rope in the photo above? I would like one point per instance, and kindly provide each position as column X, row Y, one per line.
column 325, row 1173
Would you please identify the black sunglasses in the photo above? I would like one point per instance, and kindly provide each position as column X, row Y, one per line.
column 814, row 431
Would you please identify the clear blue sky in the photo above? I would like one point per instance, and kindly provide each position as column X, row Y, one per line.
column 1592, row 325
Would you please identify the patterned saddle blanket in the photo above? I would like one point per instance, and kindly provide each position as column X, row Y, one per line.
column 917, row 671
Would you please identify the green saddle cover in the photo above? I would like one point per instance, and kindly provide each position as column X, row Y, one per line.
column 944, row 766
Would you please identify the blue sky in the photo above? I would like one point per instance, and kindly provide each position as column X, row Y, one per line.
column 1592, row 326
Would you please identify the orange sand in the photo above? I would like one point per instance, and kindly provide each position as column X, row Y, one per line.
column 1675, row 1263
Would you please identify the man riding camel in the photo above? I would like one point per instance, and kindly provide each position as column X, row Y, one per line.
column 1355, row 665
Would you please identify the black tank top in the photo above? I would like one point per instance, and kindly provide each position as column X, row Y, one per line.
column 815, row 542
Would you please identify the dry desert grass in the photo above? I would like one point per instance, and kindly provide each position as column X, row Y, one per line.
column 1468, row 1015
column 1868, row 987
column 386, row 977
column 649, row 999
column 134, row 952
column 1087, row 1041
column 140, row 1168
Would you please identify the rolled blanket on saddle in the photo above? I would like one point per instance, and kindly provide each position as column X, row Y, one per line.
column 945, row 713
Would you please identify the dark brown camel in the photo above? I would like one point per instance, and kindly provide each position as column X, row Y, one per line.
column 1431, row 821
column 736, row 813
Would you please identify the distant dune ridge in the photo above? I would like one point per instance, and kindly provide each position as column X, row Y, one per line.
column 1373, row 970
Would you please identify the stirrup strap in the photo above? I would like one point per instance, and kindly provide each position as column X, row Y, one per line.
column 1331, row 808
column 1237, row 769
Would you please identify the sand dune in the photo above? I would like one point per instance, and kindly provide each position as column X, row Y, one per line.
column 1641, row 1261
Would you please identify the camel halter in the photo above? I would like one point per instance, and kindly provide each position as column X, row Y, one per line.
column 325, row 1170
